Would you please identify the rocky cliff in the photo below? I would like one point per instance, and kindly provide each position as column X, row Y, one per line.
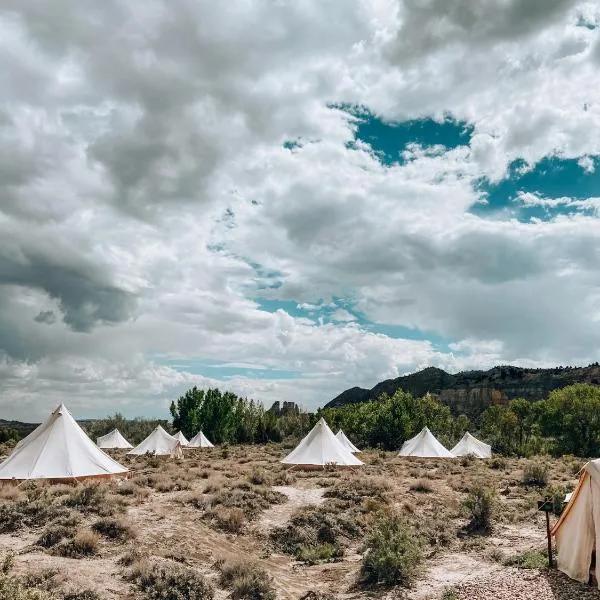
column 471, row 392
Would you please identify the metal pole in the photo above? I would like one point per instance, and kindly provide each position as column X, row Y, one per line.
column 549, row 539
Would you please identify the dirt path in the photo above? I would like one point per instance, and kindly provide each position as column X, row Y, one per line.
column 449, row 570
column 279, row 514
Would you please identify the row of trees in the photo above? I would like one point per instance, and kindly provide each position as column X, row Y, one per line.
column 226, row 417
column 567, row 422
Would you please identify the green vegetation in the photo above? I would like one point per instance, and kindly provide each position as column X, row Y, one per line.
column 536, row 474
column 247, row 582
column 393, row 553
column 531, row 559
column 479, row 506
column 170, row 582
column 226, row 418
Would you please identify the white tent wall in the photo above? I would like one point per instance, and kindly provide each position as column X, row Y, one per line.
column 159, row 443
column 181, row 438
column 340, row 435
column 469, row 444
column 577, row 532
column 319, row 448
column 425, row 445
column 59, row 450
column 111, row 440
column 200, row 441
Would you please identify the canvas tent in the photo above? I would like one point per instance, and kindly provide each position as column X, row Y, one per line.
column 181, row 439
column 425, row 445
column 59, row 450
column 469, row 444
column 159, row 443
column 114, row 439
column 340, row 435
column 577, row 532
column 200, row 441
column 319, row 448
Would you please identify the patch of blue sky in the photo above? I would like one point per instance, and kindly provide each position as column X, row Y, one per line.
column 550, row 178
column 227, row 370
column 320, row 312
column 390, row 140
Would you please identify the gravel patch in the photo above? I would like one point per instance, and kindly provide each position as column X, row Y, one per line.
column 521, row 584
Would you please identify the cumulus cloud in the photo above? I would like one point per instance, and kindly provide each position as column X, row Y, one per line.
column 148, row 204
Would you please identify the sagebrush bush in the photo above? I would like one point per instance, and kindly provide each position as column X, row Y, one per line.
column 54, row 534
column 114, row 529
column 259, row 477
column 393, row 553
column 84, row 544
column 498, row 462
column 321, row 552
column 232, row 520
column 170, row 582
column 82, row 595
column 479, row 506
column 530, row 559
column 423, row 486
column 536, row 474
column 91, row 498
column 247, row 582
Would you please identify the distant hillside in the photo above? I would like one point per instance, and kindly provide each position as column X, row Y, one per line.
column 471, row 392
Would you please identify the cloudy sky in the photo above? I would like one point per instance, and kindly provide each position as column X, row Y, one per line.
column 287, row 199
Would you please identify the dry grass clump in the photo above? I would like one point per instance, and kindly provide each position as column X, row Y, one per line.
column 35, row 510
column 393, row 553
column 422, row 486
column 170, row 581
column 54, row 534
column 232, row 520
column 115, row 529
column 536, row 474
column 163, row 483
column 354, row 490
column 84, row 544
column 259, row 477
column 316, row 533
column 247, row 582
column 82, row 595
column 93, row 498
column 250, row 499
column 479, row 506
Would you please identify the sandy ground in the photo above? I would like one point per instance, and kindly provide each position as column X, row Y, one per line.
column 170, row 528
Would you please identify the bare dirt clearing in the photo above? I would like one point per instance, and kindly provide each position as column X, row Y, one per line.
column 305, row 529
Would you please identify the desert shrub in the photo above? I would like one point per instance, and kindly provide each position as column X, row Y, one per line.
column 35, row 511
column 449, row 594
column 321, row 552
column 393, row 553
column 247, row 582
column 423, row 486
column 312, row 595
column 85, row 543
column 252, row 500
column 170, row 582
column 531, row 559
column 130, row 557
column 259, row 477
column 54, row 534
column 13, row 589
column 230, row 519
column 90, row 498
column 82, row 595
column 115, row 529
column 479, row 507
column 312, row 527
column 536, row 474
column 355, row 491
column 498, row 462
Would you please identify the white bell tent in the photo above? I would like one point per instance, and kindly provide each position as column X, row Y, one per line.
column 340, row 435
column 181, row 439
column 200, row 441
column 320, row 448
column 425, row 445
column 159, row 443
column 469, row 444
column 111, row 440
column 577, row 532
column 59, row 450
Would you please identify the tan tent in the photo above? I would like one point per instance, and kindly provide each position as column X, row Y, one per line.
column 59, row 450
column 577, row 532
column 320, row 448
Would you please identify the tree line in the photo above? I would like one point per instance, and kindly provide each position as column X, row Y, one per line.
column 567, row 422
